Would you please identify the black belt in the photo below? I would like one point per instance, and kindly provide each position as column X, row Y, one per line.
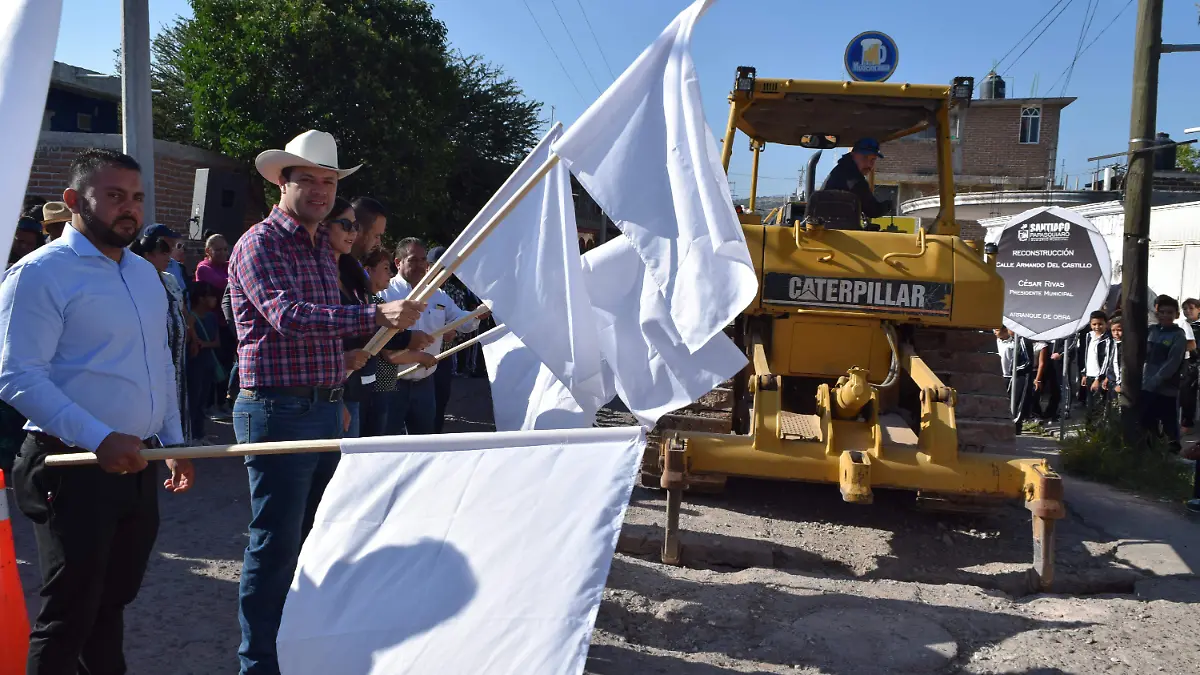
column 332, row 395
column 151, row 443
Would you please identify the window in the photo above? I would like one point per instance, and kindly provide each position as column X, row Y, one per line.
column 83, row 122
column 1031, row 125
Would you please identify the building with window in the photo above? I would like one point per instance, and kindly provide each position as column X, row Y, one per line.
column 82, row 101
column 999, row 144
column 83, row 111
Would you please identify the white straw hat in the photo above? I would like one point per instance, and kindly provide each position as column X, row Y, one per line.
column 311, row 148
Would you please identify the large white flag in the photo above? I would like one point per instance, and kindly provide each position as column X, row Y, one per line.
column 645, row 361
column 528, row 271
column 525, row 394
column 28, row 33
column 462, row 553
column 648, row 363
column 644, row 151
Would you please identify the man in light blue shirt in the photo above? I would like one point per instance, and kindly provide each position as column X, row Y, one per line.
column 85, row 359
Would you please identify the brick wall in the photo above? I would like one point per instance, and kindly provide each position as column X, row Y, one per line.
column 990, row 145
column 174, row 173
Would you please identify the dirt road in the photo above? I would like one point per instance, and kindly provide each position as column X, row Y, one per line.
column 778, row 579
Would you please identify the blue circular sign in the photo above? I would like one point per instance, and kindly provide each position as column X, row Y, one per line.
column 872, row 57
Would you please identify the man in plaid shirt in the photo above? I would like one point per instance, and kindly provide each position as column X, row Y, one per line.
column 290, row 325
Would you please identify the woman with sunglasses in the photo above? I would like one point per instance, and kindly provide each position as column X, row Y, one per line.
column 343, row 231
column 355, row 285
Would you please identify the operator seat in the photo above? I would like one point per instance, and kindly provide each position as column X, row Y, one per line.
column 834, row 210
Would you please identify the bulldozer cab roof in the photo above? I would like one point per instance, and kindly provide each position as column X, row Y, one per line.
column 781, row 111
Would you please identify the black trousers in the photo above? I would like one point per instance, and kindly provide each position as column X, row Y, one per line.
column 443, row 379
column 94, row 532
column 1052, row 390
column 1021, row 401
column 1094, row 400
column 1187, row 394
column 1161, row 411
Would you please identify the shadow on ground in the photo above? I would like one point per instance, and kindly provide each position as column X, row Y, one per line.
column 805, row 625
column 809, row 528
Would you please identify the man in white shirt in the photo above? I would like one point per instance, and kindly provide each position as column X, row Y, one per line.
column 1114, row 364
column 414, row 404
column 1097, row 354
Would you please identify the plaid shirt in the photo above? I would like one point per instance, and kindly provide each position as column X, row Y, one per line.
column 290, row 320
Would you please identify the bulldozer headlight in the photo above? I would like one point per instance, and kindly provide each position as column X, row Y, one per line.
column 962, row 89
column 745, row 79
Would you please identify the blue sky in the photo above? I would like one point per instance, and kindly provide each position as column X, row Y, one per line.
column 938, row 40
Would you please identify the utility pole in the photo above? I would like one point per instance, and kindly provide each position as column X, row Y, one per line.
column 137, row 114
column 1139, row 186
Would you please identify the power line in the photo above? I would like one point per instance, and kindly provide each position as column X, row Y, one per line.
column 1098, row 36
column 560, row 63
column 1027, row 34
column 597, row 40
column 576, row 46
column 1089, row 15
column 1038, row 37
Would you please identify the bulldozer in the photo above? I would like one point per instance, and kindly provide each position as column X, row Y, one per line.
column 865, row 342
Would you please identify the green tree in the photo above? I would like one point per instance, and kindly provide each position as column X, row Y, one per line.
column 173, row 102
column 435, row 129
column 1188, row 158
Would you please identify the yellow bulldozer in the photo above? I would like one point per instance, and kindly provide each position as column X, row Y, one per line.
column 865, row 341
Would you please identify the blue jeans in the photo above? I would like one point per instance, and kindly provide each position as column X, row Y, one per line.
column 413, row 408
column 284, row 493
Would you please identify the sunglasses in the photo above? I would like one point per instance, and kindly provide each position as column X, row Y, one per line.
column 346, row 224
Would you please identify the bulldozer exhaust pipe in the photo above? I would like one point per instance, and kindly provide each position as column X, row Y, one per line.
column 810, row 176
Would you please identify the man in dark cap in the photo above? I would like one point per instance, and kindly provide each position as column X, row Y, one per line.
column 850, row 175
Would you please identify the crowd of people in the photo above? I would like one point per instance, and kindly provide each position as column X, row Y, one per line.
column 1168, row 394
column 111, row 347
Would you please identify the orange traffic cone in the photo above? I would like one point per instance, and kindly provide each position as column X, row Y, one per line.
column 14, row 623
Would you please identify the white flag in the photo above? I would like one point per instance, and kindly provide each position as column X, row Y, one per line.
column 462, row 553
column 525, row 394
column 650, row 367
column 28, row 33
column 644, row 360
column 528, row 271
column 645, row 153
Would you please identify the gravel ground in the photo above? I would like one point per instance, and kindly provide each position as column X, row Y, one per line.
column 777, row 578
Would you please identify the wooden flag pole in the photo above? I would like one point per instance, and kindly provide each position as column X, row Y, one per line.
column 454, row 350
column 478, row 312
column 422, row 293
column 208, row 451
column 272, row 448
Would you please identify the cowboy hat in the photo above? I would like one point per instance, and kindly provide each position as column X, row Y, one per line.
column 311, row 148
column 55, row 212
